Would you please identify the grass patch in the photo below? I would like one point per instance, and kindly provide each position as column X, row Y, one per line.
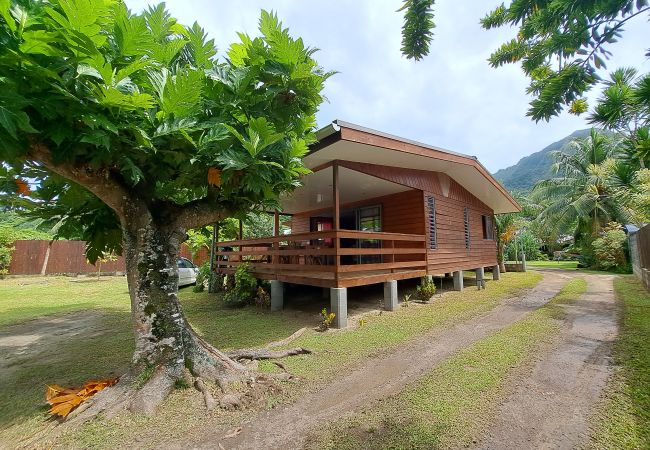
column 337, row 350
column 623, row 417
column 567, row 265
column 102, row 344
column 446, row 407
column 106, row 348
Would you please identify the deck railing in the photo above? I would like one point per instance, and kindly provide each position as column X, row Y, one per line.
column 337, row 252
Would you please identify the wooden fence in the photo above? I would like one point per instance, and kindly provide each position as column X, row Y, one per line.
column 32, row 257
column 640, row 254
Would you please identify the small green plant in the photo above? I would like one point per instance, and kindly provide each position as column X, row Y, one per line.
column 244, row 289
column 362, row 323
column 327, row 319
column 202, row 277
column 426, row 289
column 407, row 300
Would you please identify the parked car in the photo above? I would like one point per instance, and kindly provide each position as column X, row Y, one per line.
column 187, row 272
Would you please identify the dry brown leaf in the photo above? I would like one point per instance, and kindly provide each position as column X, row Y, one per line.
column 214, row 176
column 65, row 400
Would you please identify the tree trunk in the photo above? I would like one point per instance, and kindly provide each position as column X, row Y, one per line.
column 501, row 256
column 165, row 343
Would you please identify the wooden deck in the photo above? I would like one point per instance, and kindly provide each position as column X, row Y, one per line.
column 342, row 258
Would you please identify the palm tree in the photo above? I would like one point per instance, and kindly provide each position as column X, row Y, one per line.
column 584, row 196
column 624, row 107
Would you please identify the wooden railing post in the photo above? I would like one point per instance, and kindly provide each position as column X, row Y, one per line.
column 275, row 258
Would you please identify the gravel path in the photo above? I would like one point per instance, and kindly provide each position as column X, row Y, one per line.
column 285, row 428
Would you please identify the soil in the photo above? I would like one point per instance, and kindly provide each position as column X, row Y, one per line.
column 550, row 406
column 287, row 427
column 22, row 342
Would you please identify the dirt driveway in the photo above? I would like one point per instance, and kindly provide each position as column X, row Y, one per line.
column 572, row 374
column 551, row 406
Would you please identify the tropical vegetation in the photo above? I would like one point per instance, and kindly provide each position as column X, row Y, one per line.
column 128, row 130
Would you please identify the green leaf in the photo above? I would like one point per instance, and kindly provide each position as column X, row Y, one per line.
column 200, row 48
column 181, row 96
column 40, row 42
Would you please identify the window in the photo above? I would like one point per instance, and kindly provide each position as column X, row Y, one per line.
column 488, row 227
column 467, row 236
column 431, row 216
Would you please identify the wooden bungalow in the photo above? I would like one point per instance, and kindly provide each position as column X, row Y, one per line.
column 376, row 209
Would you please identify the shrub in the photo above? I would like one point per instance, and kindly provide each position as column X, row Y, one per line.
column 244, row 289
column 426, row 289
column 524, row 242
column 609, row 248
column 7, row 238
column 202, row 278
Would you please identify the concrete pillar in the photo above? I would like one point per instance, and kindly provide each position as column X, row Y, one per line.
column 480, row 277
column 277, row 295
column 458, row 280
column 429, row 278
column 339, row 306
column 496, row 273
column 391, row 302
column 523, row 262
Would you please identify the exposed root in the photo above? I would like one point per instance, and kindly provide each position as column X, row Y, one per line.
column 207, row 396
column 285, row 341
column 262, row 353
column 155, row 390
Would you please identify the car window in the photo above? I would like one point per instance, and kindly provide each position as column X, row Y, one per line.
column 182, row 264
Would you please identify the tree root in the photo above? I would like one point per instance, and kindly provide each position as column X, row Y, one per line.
column 262, row 353
column 207, row 396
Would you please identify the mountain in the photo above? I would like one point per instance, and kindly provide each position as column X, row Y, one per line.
column 538, row 166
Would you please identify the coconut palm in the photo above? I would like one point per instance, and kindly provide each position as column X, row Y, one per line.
column 584, row 196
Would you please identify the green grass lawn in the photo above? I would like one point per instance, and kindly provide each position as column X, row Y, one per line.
column 567, row 265
column 105, row 349
column 446, row 407
column 337, row 350
column 623, row 419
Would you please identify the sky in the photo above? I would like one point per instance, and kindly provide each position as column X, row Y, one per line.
column 451, row 99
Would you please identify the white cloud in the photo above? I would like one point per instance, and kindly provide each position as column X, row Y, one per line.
column 451, row 98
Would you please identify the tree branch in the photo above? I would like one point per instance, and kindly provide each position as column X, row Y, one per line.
column 200, row 213
column 96, row 180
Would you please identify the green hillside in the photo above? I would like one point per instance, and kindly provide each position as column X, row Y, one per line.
column 529, row 170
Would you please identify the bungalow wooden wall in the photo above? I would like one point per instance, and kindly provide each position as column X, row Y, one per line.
column 451, row 199
column 401, row 213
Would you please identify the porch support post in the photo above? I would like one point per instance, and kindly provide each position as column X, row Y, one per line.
column 241, row 230
column 523, row 262
column 339, row 305
column 458, row 280
column 277, row 295
column 480, row 277
column 337, row 223
column 496, row 273
column 391, row 301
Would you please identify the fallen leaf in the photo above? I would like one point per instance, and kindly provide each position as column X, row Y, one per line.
column 65, row 400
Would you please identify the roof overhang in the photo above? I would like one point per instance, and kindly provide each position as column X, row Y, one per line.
column 317, row 192
column 345, row 141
